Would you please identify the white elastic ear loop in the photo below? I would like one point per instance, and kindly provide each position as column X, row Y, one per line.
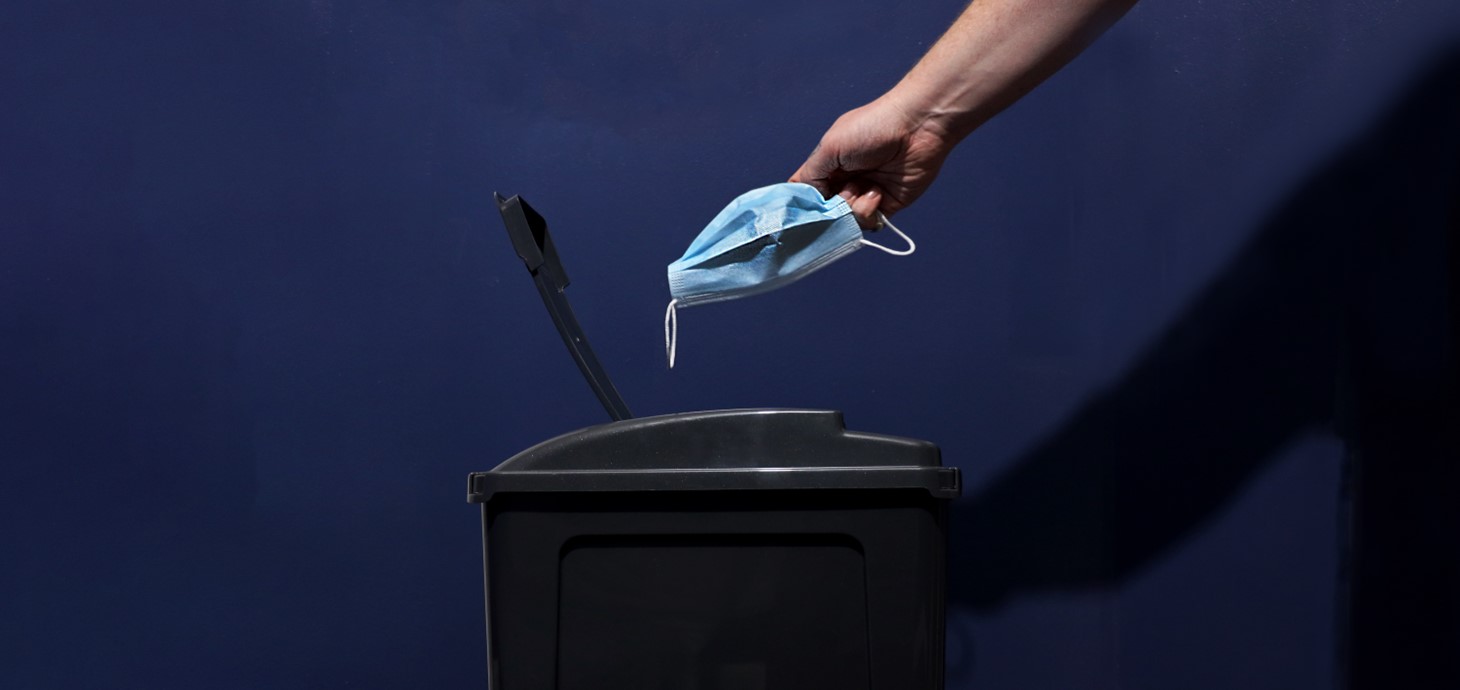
column 911, row 246
column 671, row 331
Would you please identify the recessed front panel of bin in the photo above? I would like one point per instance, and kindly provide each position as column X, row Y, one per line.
column 766, row 549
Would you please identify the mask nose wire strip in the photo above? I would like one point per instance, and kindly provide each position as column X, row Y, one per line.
column 911, row 246
column 671, row 331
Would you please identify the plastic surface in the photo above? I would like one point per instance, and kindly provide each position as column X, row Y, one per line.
column 724, row 550
column 721, row 450
column 534, row 245
column 776, row 590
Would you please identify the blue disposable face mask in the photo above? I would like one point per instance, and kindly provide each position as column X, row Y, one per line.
column 765, row 239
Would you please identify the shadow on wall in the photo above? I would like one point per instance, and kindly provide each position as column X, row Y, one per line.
column 1338, row 314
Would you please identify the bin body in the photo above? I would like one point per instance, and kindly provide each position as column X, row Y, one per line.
column 727, row 550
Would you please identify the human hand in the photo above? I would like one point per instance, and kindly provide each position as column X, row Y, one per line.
column 879, row 157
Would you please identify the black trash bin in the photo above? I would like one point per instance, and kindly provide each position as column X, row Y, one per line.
column 727, row 550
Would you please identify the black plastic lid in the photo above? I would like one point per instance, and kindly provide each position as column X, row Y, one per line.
column 721, row 450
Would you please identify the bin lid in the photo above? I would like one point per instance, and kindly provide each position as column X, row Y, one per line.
column 757, row 449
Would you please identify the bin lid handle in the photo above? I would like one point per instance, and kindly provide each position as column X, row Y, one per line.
column 533, row 243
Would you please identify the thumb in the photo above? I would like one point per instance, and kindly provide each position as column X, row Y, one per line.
column 817, row 171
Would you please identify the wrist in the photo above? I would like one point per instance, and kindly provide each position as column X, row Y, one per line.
column 930, row 112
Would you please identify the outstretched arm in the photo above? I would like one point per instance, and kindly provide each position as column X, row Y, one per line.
column 884, row 155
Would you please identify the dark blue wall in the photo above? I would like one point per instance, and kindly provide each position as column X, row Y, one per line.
column 258, row 319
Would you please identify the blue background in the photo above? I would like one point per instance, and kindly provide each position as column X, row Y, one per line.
column 258, row 317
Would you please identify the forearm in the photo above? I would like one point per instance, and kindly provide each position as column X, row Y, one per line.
column 997, row 51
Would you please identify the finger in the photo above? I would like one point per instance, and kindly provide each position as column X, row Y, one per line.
column 865, row 206
column 817, row 171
